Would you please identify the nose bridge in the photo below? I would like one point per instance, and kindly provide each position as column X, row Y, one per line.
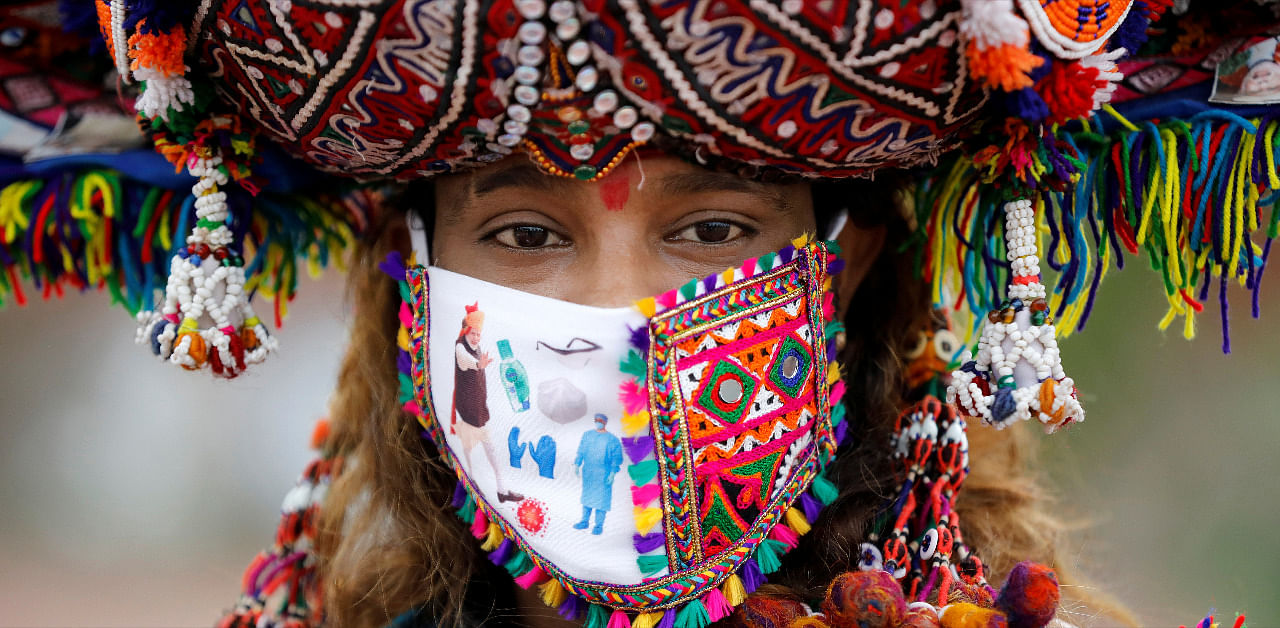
column 615, row 273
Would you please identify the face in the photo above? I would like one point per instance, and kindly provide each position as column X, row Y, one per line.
column 473, row 336
column 646, row 228
column 1263, row 77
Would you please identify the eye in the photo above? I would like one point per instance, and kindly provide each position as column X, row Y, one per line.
column 917, row 349
column 710, row 232
column 528, row 237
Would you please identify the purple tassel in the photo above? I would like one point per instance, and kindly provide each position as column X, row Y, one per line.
column 1027, row 104
column 811, row 507
column 668, row 619
column 787, row 254
column 459, row 496
column 503, row 553
column 572, row 607
column 404, row 363
column 832, row 351
column 648, row 542
column 638, row 448
column 640, row 338
column 751, row 576
column 393, row 266
column 709, row 283
column 1226, row 324
column 161, row 15
column 835, row 266
column 1132, row 32
column 841, row 431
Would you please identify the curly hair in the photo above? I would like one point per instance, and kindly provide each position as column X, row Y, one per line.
column 390, row 543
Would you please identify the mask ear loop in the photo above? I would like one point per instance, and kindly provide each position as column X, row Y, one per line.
column 838, row 223
column 418, row 238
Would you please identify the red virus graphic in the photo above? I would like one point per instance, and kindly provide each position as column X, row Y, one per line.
column 532, row 515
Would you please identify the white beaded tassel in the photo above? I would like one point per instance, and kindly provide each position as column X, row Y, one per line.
column 205, row 320
column 1018, row 373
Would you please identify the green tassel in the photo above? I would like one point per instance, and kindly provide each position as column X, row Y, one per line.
column 643, row 472
column 766, row 261
column 693, row 615
column 405, row 295
column 688, row 290
column 767, row 555
column 406, row 388
column 597, row 617
column 832, row 328
column 468, row 511
column 838, row 414
column 651, row 563
column 824, row 490
column 634, row 364
column 519, row 564
column 833, row 247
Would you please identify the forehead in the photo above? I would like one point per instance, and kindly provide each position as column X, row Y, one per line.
column 653, row 175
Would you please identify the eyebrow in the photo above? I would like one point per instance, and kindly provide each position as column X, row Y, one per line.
column 523, row 175
column 685, row 183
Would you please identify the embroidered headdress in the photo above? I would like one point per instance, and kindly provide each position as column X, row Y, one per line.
column 1037, row 131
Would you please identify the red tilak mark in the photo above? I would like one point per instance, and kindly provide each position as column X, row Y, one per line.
column 614, row 191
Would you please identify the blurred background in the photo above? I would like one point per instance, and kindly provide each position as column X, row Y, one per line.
column 135, row 493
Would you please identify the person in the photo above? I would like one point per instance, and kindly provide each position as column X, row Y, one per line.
column 470, row 396
column 680, row 184
column 599, row 458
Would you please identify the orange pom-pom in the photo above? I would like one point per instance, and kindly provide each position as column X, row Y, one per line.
column 320, row 434
column 1007, row 66
column 965, row 615
column 197, row 350
column 1068, row 90
column 162, row 52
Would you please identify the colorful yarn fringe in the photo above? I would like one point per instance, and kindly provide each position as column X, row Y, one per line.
column 97, row 229
column 281, row 587
column 1190, row 195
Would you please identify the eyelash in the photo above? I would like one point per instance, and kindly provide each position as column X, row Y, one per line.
column 494, row 236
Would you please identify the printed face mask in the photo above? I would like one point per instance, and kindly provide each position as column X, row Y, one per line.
column 635, row 461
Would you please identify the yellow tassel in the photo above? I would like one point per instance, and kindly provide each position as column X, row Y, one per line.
column 402, row 339
column 632, row 424
column 647, row 518
column 801, row 241
column 797, row 522
column 647, row 306
column 833, row 373
column 493, row 540
column 552, row 593
column 734, row 593
column 727, row 276
column 646, row 620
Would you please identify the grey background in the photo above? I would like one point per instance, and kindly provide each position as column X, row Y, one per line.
column 135, row 493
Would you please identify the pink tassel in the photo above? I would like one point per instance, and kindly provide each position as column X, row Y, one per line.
column 406, row 316
column 717, row 607
column 749, row 268
column 829, row 304
column 668, row 300
column 619, row 620
column 837, row 392
column 642, row 495
column 411, row 407
column 534, row 576
column 786, row 536
column 480, row 527
column 633, row 396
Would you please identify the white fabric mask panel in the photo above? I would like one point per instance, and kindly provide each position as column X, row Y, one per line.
column 525, row 389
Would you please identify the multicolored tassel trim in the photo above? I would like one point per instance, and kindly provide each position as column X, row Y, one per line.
column 99, row 229
column 673, row 606
column 1192, row 196
column 281, row 587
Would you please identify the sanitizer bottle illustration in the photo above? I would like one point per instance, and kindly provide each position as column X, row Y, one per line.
column 514, row 378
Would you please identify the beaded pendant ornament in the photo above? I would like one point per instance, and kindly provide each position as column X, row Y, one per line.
column 1017, row 374
column 205, row 319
